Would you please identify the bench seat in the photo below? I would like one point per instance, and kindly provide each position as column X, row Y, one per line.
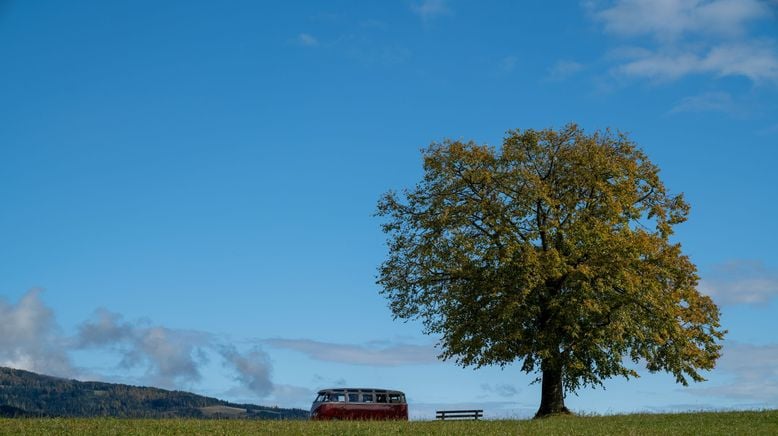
column 459, row 414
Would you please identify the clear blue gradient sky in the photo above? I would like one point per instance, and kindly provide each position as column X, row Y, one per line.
column 187, row 187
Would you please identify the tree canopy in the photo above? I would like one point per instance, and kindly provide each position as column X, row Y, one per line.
column 553, row 250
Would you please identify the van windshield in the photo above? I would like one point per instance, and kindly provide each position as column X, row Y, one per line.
column 396, row 398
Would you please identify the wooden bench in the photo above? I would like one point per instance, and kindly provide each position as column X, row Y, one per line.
column 459, row 414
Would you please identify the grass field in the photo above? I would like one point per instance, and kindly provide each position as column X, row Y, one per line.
column 723, row 423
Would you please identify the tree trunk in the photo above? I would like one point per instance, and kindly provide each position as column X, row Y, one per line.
column 552, row 397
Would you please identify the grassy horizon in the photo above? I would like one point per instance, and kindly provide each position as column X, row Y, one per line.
column 699, row 423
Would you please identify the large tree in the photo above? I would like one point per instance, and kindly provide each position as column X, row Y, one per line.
column 553, row 250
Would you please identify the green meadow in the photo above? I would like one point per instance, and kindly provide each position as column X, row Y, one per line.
column 708, row 423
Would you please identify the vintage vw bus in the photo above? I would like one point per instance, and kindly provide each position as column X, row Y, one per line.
column 359, row 403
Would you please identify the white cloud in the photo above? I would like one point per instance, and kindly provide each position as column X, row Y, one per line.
column 170, row 358
column 373, row 354
column 707, row 102
column 740, row 282
column 30, row 339
column 307, row 40
column 757, row 61
column 754, row 372
column 428, row 9
column 714, row 37
column 667, row 20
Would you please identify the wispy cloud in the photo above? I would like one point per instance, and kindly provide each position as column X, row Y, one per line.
column 754, row 372
column 373, row 354
column 306, row 40
column 687, row 37
column 508, row 64
column 685, row 407
column 383, row 55
column 740, row 282
column 171, row 357
column 503, row 390
column 428, row 9
column 253, row 368
column 359, row 46
column 769, row 130
column 563, row 69
column 756, row 60
column 707, row 102
column 329, row 382
column 666, row 20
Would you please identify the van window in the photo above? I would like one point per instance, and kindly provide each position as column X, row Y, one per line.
column 380, row 398
column 353, row 398
column 320, row 398
column 367, row 398
column 395, row 398
column 336, row 397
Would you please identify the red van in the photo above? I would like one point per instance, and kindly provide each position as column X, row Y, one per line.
column 359, row 403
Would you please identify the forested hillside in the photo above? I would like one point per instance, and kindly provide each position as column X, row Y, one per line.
column 24, row 393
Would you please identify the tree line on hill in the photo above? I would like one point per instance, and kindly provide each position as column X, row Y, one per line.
column 27, row 394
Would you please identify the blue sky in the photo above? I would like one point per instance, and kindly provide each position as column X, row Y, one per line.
column 188, row 188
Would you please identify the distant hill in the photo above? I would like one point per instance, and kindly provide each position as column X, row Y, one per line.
column 26, row 394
